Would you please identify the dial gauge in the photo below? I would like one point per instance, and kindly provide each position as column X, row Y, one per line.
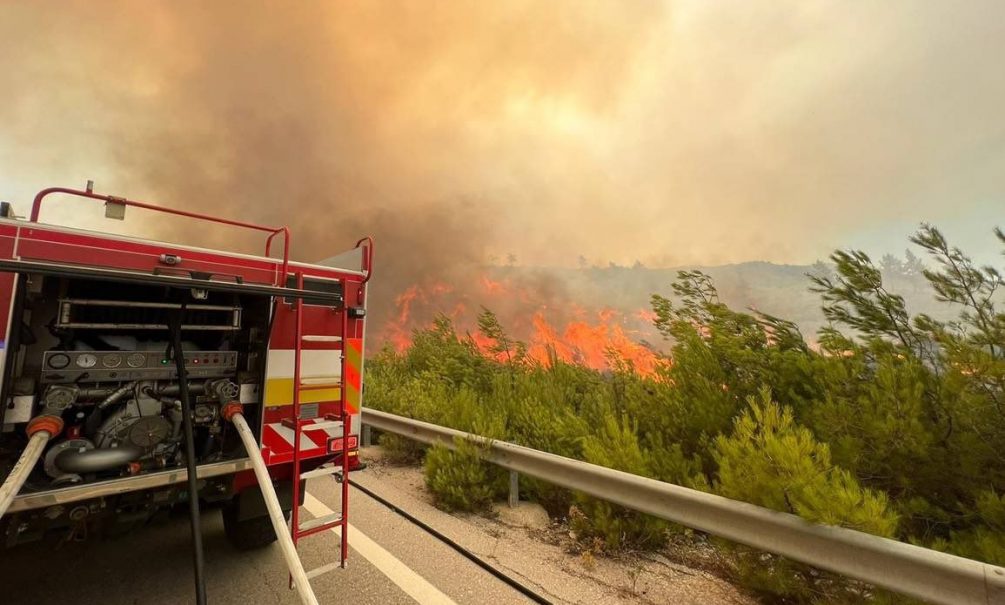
column 86, row 360
column 136, row 360
column 59, row 361
column 112, row 360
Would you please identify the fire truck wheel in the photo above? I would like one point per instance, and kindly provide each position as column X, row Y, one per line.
column 247, row 534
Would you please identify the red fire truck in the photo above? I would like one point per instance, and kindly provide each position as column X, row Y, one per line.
column 127, row 362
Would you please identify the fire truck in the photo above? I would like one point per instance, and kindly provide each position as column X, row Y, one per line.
column 139, row 375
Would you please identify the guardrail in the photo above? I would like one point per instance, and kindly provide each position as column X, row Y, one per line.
column 910, row 570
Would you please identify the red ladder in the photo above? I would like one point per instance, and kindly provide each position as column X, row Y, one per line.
column 300, row 426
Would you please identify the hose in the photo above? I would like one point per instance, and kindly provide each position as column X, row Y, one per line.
column 233, row 413
column 116, row 395
column 190, row 465
column 41, row 429
column 95, row 460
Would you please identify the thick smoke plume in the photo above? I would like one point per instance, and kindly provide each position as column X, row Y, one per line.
column 340, row 119
column 456, row 132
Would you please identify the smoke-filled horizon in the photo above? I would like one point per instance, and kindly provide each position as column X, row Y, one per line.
column 462, row 133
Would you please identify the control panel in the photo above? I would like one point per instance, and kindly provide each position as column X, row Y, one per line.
column 115, row 366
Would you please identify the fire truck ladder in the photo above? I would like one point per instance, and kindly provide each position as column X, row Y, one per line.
column 300, row 425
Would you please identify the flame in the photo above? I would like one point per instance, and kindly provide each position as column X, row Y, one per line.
column 591, row 345
column 396, row 331
column 491, row 286
column 646, row 315
column 553, row 330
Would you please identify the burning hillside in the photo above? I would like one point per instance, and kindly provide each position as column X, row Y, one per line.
column 549, row 326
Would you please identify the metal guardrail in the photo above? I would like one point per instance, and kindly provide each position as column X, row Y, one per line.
column 910, row 570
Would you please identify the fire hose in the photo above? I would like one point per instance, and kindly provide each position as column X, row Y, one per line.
column 190, row 465
column 41, row 429
column 232, row 412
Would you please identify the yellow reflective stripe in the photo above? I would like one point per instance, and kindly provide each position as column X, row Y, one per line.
column 279, row 392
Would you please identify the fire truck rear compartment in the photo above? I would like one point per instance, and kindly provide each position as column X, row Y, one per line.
column 98, row 354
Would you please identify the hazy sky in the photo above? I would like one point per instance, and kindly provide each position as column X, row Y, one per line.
column 671, row 132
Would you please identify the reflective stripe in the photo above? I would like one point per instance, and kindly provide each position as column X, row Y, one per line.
column 353, row 375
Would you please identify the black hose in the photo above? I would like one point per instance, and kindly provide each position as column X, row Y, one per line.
column 467, row 554
column 193, row 490
column 97, row 460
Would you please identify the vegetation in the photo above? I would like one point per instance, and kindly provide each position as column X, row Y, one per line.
column 892, row 423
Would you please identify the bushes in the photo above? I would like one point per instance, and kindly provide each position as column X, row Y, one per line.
column 400, row 450
column 895, row 428
column 460, row 480
column 771, row 461
column 616, row 527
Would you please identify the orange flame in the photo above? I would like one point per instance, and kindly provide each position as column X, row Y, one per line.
column 590, row 338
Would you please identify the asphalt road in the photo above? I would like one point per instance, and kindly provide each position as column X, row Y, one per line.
column 390, row 560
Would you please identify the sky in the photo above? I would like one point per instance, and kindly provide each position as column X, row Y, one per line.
column 671, row 133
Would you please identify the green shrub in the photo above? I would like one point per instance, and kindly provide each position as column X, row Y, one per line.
column 460, row 480
column 617, row 527
column 771, row 461
column 399, row 450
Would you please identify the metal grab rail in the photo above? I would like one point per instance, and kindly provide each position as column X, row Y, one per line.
column 904, row 568
column 36, row 208
column 367, row 256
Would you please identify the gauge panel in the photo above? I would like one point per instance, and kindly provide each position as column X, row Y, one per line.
column 117, row 366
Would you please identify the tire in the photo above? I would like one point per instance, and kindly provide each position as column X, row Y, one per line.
column 249, row 534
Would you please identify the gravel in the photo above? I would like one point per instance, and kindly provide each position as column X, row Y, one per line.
column 530, row 548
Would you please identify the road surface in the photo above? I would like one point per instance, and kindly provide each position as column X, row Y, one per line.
column 391, row 561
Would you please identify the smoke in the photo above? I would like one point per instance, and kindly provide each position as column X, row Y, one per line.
column 454, row 132
column 401, row 120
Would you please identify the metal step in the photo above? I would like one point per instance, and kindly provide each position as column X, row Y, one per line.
column 320, row 426
column 332, row 520
column 307, row 386
column 319, row 571
column 320, row 338
column 321, row 471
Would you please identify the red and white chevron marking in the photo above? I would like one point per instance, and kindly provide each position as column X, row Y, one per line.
column 277, row 442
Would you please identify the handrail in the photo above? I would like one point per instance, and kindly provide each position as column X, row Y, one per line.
column 367, row 257
column 36, row 208
column 911, row 570
column 367, row 263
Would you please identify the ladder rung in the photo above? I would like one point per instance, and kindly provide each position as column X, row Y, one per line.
column 328, row 520
column 320, row 386
column 318, row 571
column 324, row 424
column 321, row 471
column 320, row 338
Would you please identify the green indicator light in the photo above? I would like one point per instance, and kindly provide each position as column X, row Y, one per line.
column 164, row 362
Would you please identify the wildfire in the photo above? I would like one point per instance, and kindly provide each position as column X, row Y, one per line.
column 567, row 331
column 397, row 331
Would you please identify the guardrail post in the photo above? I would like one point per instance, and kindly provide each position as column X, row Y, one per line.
column 514, row 488
column 365, row 437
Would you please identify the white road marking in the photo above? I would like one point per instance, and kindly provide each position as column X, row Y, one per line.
column 407, row 580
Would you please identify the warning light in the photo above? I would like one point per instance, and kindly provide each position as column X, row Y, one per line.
column 195, row 361
column 164, row 362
